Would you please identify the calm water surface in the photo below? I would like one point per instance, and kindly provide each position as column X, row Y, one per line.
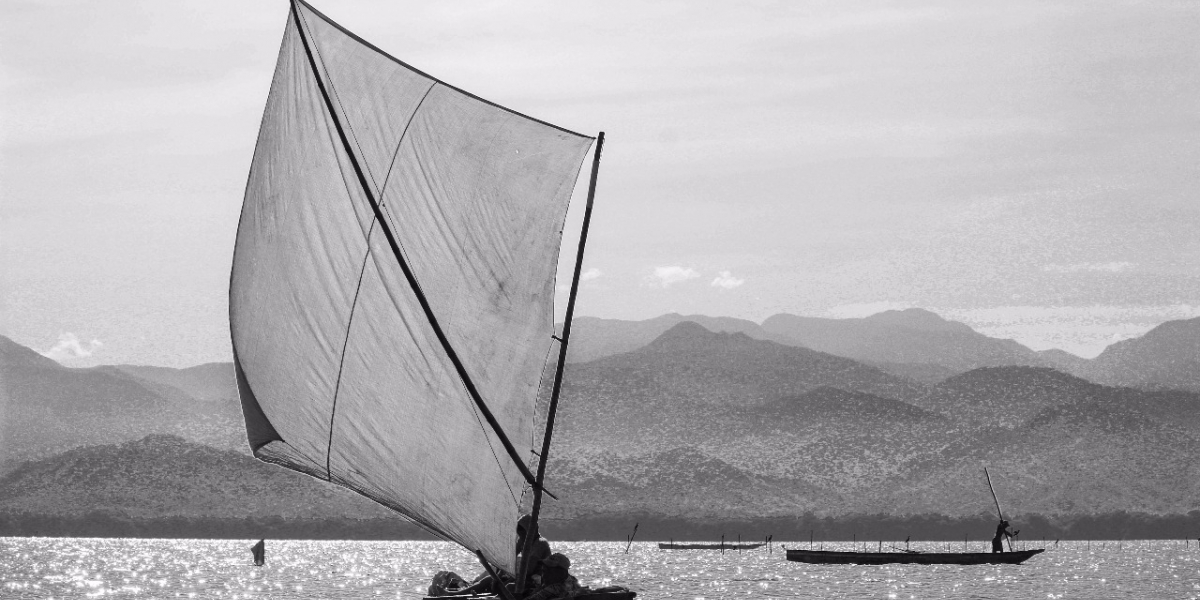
column 135, row 568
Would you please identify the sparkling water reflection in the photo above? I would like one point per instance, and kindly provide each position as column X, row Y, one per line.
column 45, row 568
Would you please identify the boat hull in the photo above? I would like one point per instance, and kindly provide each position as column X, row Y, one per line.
column 726, row 546
column 594, row 595
column 824, row 557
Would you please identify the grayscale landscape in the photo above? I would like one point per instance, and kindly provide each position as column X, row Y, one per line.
column 690, row 424
column 331, row 298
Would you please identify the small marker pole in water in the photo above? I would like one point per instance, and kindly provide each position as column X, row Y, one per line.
column 810, row 536
column 635, row 526
column 722, row 543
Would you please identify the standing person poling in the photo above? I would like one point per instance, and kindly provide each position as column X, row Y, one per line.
column 1001, row 532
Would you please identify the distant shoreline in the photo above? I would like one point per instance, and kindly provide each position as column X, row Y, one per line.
column 1110, row 526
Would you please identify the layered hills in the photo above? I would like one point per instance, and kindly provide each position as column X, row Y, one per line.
column 714, row 420
column 46, row 408
column 795, row 442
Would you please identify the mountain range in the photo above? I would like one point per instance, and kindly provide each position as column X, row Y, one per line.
column 680, row 417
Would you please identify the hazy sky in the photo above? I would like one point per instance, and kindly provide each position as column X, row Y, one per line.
column 1029, row 168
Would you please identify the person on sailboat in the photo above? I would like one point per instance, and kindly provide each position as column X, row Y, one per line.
column 539, row 551
column 1001, row 531
column 554, row 581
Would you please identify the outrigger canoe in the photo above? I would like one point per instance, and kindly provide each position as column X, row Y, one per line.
column 827, row 557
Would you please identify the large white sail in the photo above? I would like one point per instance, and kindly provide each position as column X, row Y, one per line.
column 340, row 370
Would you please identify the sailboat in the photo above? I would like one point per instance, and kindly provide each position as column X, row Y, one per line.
column 391, row 294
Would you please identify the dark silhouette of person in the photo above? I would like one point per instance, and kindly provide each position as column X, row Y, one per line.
column 1001, row 531
column 260, row 553
column 554, row 581
column 538, row 552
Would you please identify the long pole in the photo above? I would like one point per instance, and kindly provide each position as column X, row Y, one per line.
column 495, row 577
column 459, row 367
column 997, row 501
column 532, row 534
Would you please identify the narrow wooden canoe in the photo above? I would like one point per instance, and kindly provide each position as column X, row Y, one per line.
column 708, row 546
column 825, row 557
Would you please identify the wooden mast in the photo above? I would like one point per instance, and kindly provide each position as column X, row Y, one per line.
column 531, row 534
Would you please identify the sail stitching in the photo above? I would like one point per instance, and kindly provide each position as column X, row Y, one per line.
column 337, row 386
column 367, row 255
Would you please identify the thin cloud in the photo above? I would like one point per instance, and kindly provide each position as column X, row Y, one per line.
column 726, row 281
column 1109, row 267
column 590, row 274
column 864, row 309
column 69, row 347
column 667, row 276
column 1082, row 330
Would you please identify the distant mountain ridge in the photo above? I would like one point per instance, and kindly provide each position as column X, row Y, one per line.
column 694, row 423
column 46, row 408
column 920, row 345
column 901, row 336
column 165, row 476
column 1166, row 357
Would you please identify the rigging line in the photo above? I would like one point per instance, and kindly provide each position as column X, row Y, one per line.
column 541, row 384
column 459, row 367
column 337, row 387
column 492, row 449
column 349, row 125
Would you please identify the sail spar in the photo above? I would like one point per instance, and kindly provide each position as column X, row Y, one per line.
column 397, row 246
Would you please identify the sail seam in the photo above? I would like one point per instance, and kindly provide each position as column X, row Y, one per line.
column 337, row 386
column 366, row 256
column 403, row 135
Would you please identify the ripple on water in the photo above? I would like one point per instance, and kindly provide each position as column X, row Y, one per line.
column 137, row 568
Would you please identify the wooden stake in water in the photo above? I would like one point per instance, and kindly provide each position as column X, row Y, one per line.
column 635, row 526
